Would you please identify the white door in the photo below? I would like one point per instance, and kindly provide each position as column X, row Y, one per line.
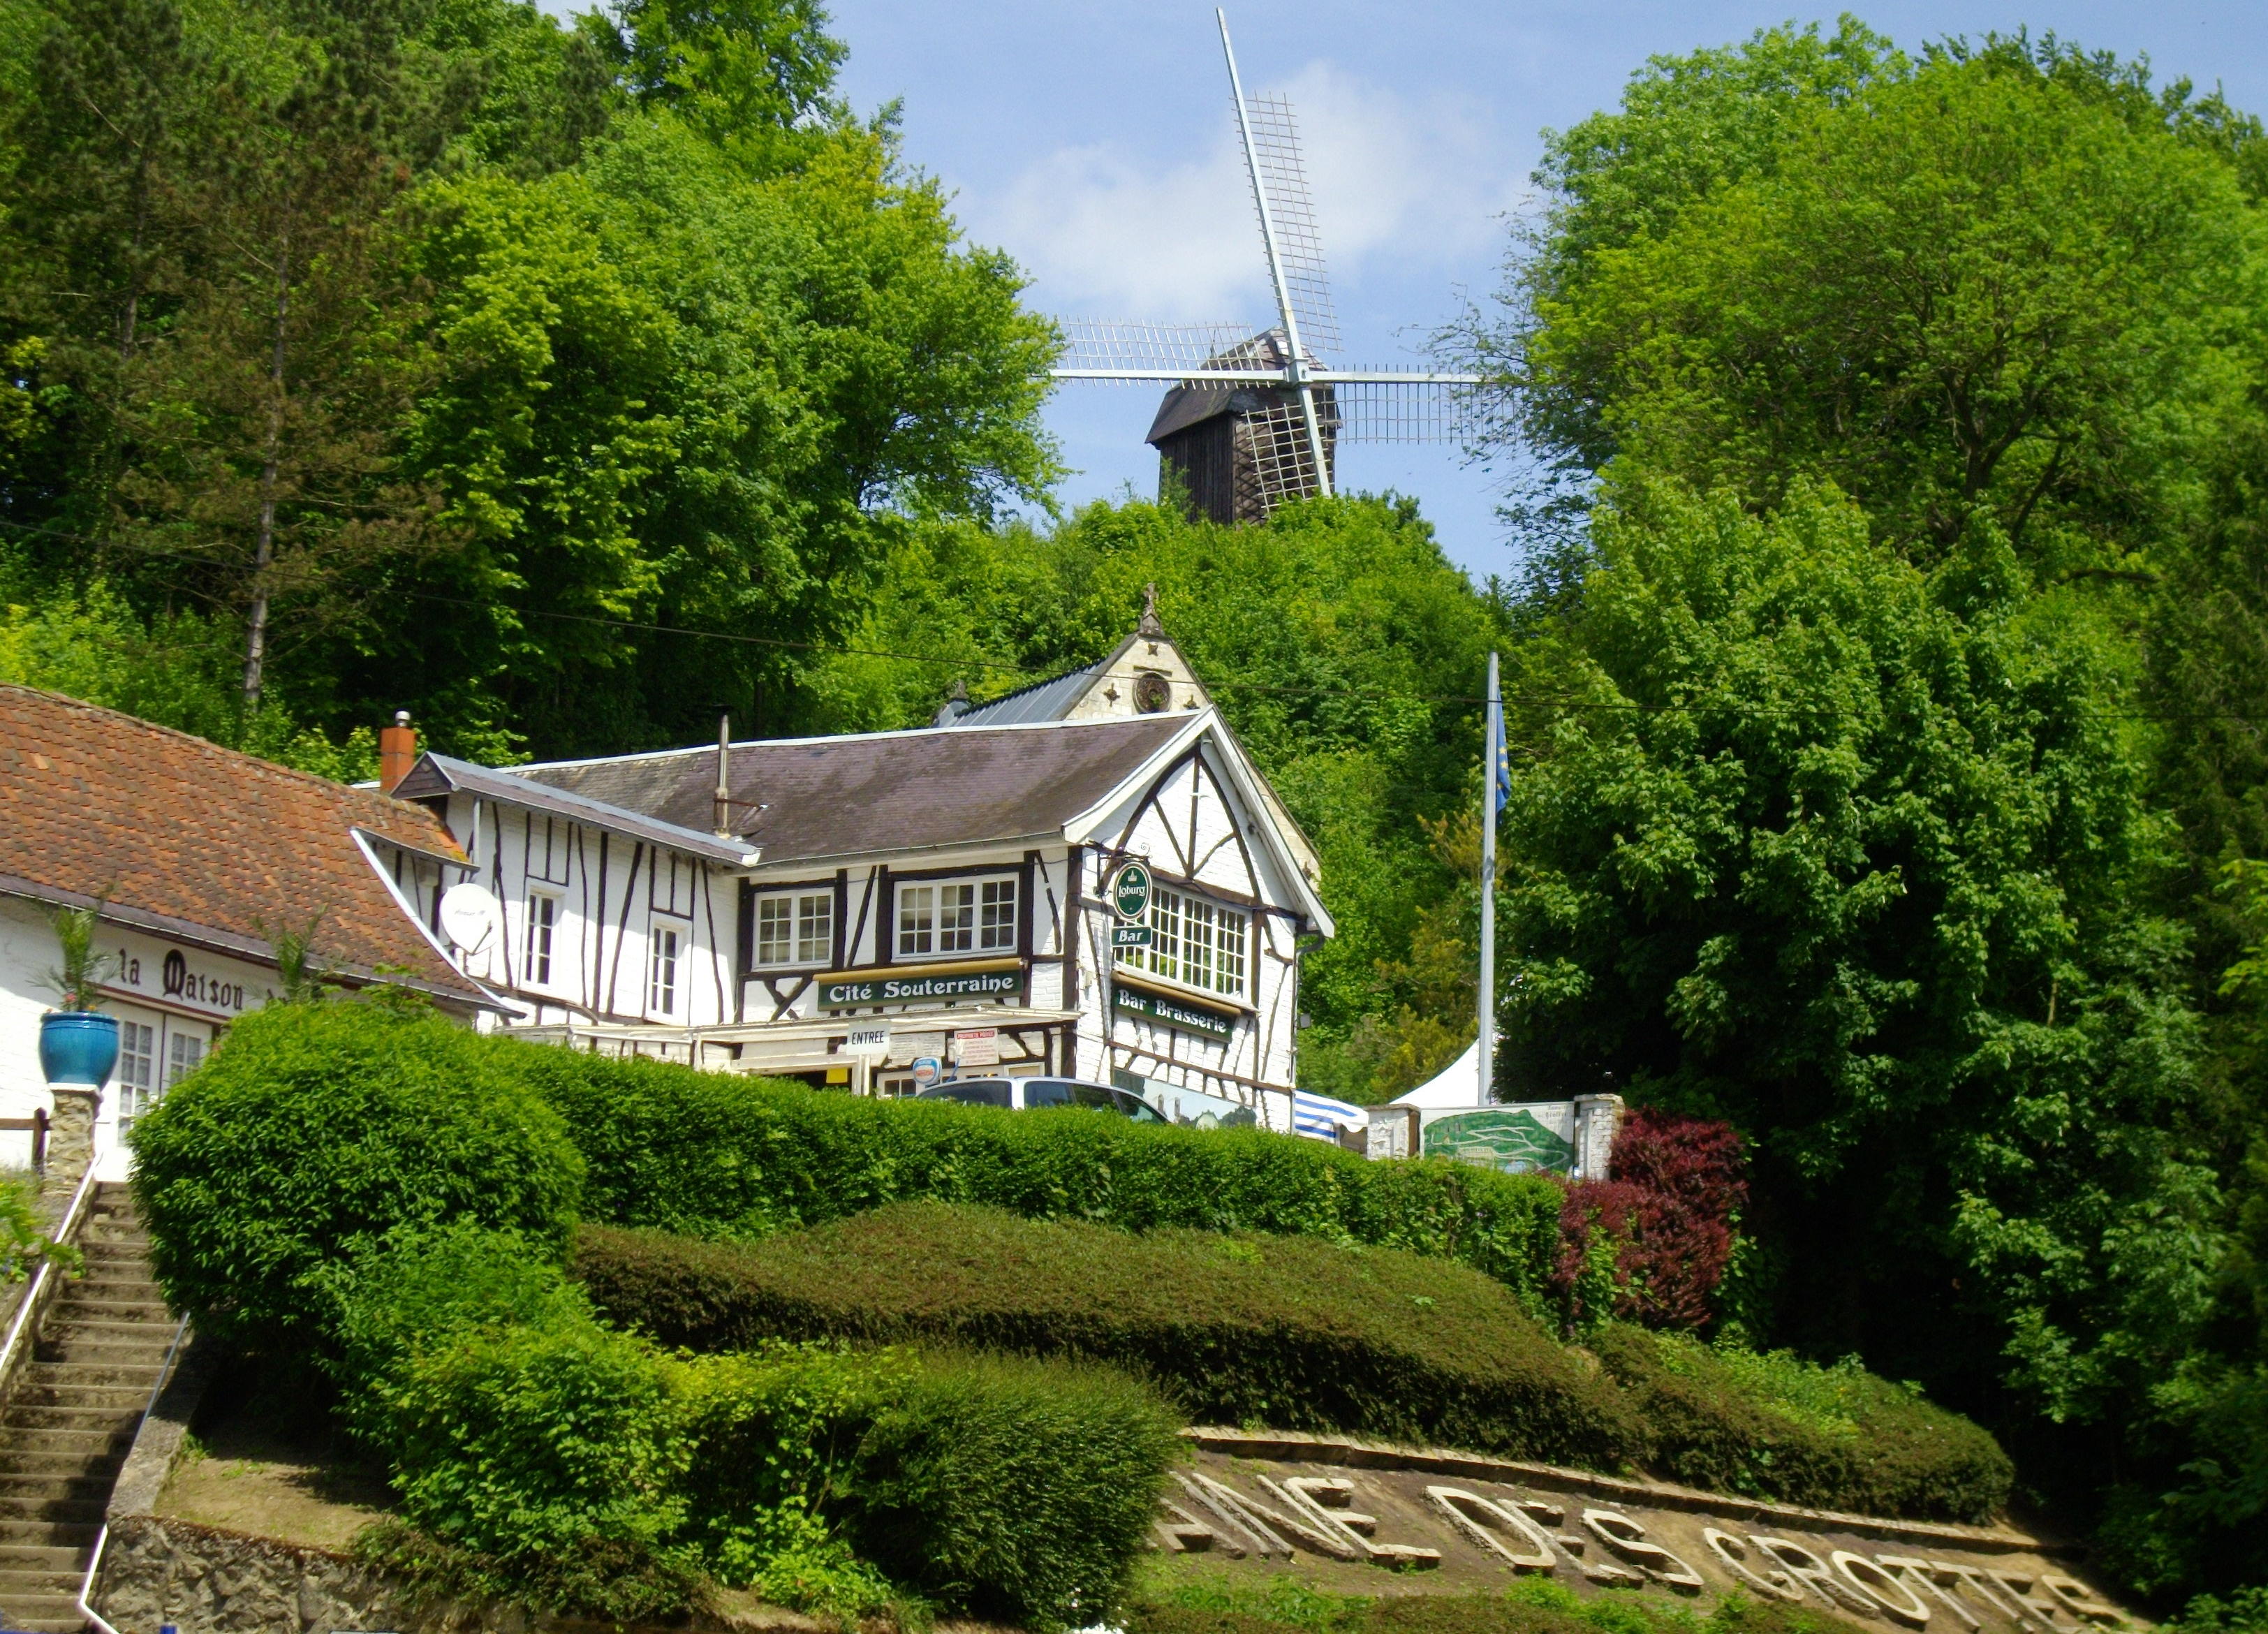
column 155, row 1052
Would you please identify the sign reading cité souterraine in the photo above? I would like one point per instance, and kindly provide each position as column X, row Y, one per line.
column 911, row 986
column 1157, row 1007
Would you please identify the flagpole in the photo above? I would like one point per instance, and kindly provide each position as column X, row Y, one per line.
column 1490, row 792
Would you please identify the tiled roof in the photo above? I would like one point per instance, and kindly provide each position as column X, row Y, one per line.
column 190, row 835
column 880, row 792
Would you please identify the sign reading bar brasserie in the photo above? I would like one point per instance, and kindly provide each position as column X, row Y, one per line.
column 992, row 981
column 1173, row 1012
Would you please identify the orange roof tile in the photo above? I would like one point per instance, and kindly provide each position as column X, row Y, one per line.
column 188, row 831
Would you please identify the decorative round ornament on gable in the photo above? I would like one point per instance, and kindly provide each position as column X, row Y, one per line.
column 1130, row 890
column 1152, row 692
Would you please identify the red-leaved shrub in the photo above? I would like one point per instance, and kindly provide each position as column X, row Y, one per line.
column 1651, row 1243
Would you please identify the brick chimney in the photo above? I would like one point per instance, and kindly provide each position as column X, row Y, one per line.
column 397, row 751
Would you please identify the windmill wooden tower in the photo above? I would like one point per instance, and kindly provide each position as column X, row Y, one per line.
column 1251, row 419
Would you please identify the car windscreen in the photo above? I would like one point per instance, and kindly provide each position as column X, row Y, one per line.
column 975, row 1092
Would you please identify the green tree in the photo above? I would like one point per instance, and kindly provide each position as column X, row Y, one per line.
column 1851, row 854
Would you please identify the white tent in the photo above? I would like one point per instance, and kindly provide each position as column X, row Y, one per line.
column 1457, row 1085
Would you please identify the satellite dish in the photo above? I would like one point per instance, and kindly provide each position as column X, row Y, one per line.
column 469, row 915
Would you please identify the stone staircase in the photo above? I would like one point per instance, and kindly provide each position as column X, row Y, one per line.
column 71, row 1417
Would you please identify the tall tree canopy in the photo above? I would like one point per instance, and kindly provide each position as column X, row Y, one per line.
column 432, row 347
column 1893, row 722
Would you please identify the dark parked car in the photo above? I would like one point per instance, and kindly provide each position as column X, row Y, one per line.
column 1030, row 1094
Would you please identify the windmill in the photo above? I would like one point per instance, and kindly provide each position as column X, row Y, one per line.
column 1251, row 419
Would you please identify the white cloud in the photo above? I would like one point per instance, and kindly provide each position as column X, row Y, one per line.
column 1107, row 232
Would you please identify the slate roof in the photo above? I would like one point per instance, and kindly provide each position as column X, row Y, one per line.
column 880, row 791
column 202, row 842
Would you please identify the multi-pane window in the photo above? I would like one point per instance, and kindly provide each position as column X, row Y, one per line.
column 661, row 979
column 543, row 919
column 796, row 929
column 1194, row 941
column 186, row 1053
column 997, row 925
column 957, row 918
column 137, row 1070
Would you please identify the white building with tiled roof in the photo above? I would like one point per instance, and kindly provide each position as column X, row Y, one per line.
column 200, row 856
column 850, row 908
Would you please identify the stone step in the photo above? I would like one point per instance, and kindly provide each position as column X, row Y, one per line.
column 73, row 1534
column 90, row 1464
column 61, row 1511
column 38, row 1419
column 80, row 1447
column 87, row 1375
column 112, row 1329
column 74, row 1306
column 45, row 1491
column 54, row 1612
column 49, row 1562
column 72, row 1392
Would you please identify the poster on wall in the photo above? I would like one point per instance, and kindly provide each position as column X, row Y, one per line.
column 1191, row 1108
column 1518, row 1139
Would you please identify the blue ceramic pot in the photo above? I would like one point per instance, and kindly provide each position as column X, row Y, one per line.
column 77, row 1046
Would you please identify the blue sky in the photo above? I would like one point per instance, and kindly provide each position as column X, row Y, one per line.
column 1094, row 143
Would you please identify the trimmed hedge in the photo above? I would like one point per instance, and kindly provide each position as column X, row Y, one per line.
column 1774, row 1426
column 708, row 1154
column 528, row 1437
column 319, row 1131
column 1301, row 1335
column 1286, row 1331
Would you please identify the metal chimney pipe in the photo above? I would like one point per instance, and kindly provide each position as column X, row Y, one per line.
column 724, row 807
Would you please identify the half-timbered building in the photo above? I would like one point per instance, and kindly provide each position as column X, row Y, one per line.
column 864, row 909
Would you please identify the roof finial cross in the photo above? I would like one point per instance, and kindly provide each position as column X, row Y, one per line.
column 1150, row 626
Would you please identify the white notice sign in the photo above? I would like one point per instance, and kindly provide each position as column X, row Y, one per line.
column 869, row 1044
column 977, row 1046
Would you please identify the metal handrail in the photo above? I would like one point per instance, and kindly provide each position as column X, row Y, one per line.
column 31, row 1303
column 102, row 1538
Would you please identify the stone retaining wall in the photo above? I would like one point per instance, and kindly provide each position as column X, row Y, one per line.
column 207, row 1581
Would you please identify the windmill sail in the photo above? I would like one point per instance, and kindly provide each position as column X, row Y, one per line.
column 1282, row 179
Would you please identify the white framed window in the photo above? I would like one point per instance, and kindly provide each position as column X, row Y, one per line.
column 1194, row 941
column 663, row 949
column 137, row 1071
column 542, row 920
column 796, row 928
column 957, row 917
column 996, row 926
column 185, row 1052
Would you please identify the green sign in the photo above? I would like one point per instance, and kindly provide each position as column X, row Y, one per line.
column 1173, row 1012
column 1499, row 1137
column 1130, row 936
column 912, row 987
column 1130, row 893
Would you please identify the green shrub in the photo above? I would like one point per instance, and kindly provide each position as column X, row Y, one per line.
column 707, row 1154
column 1286, row 1331
column 1775, row 1426
column 319, row 1131
column 543, row 1454
column 1020, row 1490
